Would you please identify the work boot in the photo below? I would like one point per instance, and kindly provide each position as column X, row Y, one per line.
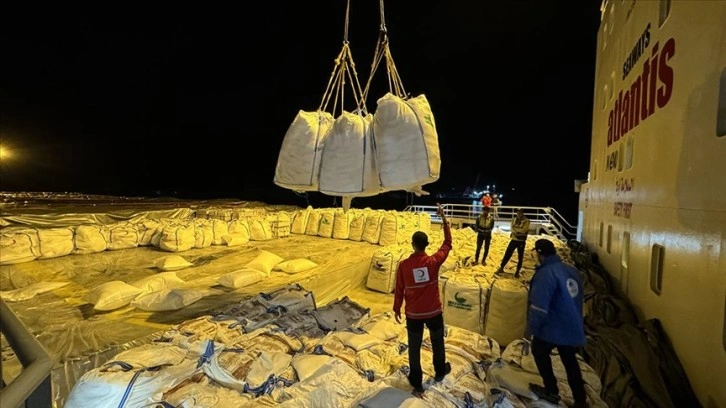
column 517, row 275
column 541, row 392
column 418, row 390
column 447, row 370
column 475, row 263
column 484, row 262
column 499, row 271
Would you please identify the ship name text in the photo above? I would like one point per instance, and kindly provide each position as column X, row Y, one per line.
column 651, row 89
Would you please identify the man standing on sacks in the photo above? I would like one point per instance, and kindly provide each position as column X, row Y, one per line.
column 417, row 282
column 484, row 227
column 555, row 321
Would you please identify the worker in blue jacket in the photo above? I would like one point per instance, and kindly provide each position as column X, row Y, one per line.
column 554, row 320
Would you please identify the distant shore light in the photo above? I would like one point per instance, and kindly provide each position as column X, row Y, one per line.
column 4, row 153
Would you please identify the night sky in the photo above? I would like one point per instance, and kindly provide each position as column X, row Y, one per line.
column 194, row 102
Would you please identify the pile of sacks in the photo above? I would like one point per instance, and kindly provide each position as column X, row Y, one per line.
column 281, row 349
column 222, row 227
column 25, row 244
column 379, row 227
column 165, row 291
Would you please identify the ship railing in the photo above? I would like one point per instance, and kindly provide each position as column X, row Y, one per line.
column 543, row 220
column 32, row 386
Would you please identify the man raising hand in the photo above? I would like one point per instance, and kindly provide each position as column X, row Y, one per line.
column 417, row 282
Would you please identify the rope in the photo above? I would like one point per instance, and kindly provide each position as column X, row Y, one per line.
column 344, row 69
column 393, row 75
column 355, row 83
column 347, row 22
column 377, row 57
column 383, row 50
column 326, row 94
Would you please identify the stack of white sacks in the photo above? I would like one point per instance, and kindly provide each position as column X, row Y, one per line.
column 280, row 349
column 379, row 227
column 165, row 291
column 278, row 354
column 229, row 227
column 224, row 227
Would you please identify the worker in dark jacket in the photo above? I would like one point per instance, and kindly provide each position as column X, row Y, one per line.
column 484, row 227
column 554, row 320
column 417, row 282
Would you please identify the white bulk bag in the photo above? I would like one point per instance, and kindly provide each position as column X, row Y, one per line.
column 300, row 221
column 55, row 242
column 313, row 224
column 177, row 237
column 155, row 369
column 220, row 229
column 357, row 225
column 396, row 228
column 298, row 163
column 464, row 301
column 348, row 165
column 280, row 223
column 90, row 239
column 407, row 145
column 19, row 245
column 123, row 235
column 383, row 268
column 146, row 229
column 327, row 218
column 240, row 226
column 372, row 226
column 506, row 318
column 260, row 230
column 341, row 224
column 203, row 233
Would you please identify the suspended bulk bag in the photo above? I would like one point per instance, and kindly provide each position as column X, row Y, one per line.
column 348, row 165
column 407, row 145
column 298, row 164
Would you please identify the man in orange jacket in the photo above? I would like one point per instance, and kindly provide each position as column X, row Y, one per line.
column 417, row 282
column 486, row 200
